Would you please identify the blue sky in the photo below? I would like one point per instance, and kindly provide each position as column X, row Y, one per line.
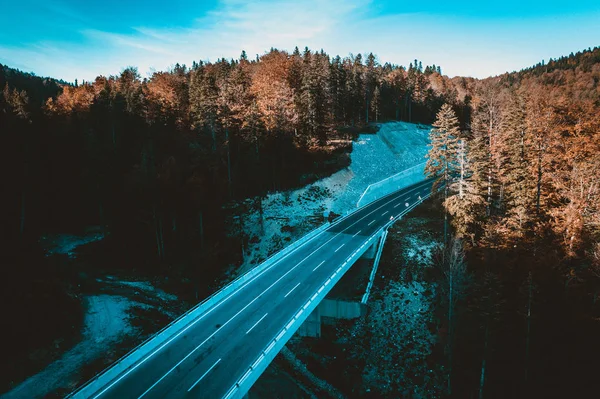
column 72, row 39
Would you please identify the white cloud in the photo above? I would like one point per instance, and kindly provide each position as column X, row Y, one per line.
column 461, row 46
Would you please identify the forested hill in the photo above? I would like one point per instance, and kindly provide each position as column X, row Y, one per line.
column 539, row 130
column 37, row 89
column 524, row 201
column 151, row 161
column 181, row 142
column 584, row 61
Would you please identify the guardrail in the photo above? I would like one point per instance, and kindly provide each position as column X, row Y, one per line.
column 253, row 372
column 153, row 344
column 393, row 183
column 269, row 352
column 150, row 345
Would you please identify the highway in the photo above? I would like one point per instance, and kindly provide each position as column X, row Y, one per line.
column 209, row 355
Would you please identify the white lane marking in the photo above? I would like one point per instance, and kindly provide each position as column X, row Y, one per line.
column 204, row 375
column 384, row 213
column 198, row 347
column 357, row 233
column 255, row 324
column 203, row 315
column 245, row 307
column 397, row 205
column 296, row 286
column 370, row 223
column 340, row 247
column 318, row 266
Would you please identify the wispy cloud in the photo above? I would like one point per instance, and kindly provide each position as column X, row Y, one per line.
column 461, row 45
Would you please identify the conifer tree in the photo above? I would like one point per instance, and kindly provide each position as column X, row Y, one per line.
column 515, row 154
column 485, row 130
column 442, row 159
column 465, row 202
column 203, row 102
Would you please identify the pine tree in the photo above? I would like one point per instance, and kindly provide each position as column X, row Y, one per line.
column 442, row 160
column 465, row 203
column 370, row 84
column 515, row 154
column 203, row 102
column 485, row 130
column 376, row 103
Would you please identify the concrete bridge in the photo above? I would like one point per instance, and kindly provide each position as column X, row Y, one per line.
column 220, row 347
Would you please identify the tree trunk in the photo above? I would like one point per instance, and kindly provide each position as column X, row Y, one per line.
column 446, row 184
column 489, row 188
column 539, row 180
column 528, row 334
column 201, row 231
column 261, row 214
column 162, row 238
column 114, row 137
column 229, row 188
column 483, row 362
column 462, row 169
column 22, row 227
column 158, row 234
column 450, row 327
column 213, row 136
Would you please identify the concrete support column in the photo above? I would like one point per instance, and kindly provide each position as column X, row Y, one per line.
column 371, row 252
column 381, row 243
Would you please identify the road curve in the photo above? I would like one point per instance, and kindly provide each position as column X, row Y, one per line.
column 211, row 353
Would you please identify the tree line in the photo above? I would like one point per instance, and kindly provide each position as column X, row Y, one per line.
column 163, row 151
column 521, row 189
column 151, row 161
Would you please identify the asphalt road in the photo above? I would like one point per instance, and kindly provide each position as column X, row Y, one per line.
column 207, row 357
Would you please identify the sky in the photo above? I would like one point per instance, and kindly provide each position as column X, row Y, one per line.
column 81, row 39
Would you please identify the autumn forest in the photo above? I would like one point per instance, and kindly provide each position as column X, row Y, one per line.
column 152, row 162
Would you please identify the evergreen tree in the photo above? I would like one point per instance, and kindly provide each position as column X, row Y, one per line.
column 465, row 202
column 203, row 103
column 516, row 158
column 442, row 158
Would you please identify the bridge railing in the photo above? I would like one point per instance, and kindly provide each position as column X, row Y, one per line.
column 151, row 344
column 277, row 343
column 270, row 351
column 393, row 183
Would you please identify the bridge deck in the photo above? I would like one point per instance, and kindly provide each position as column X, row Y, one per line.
column 208, row 356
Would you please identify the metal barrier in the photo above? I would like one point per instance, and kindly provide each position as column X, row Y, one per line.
column 393, row 183
column 158, row 339
column 268, row 354
column 243, row 384
column 153, row 344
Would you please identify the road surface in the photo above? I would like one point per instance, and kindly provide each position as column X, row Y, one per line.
column 208, row 356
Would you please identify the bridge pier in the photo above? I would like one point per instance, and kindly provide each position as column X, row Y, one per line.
column 327, row 312
column 331, row 309
column 371, row 252
column 381, row 243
